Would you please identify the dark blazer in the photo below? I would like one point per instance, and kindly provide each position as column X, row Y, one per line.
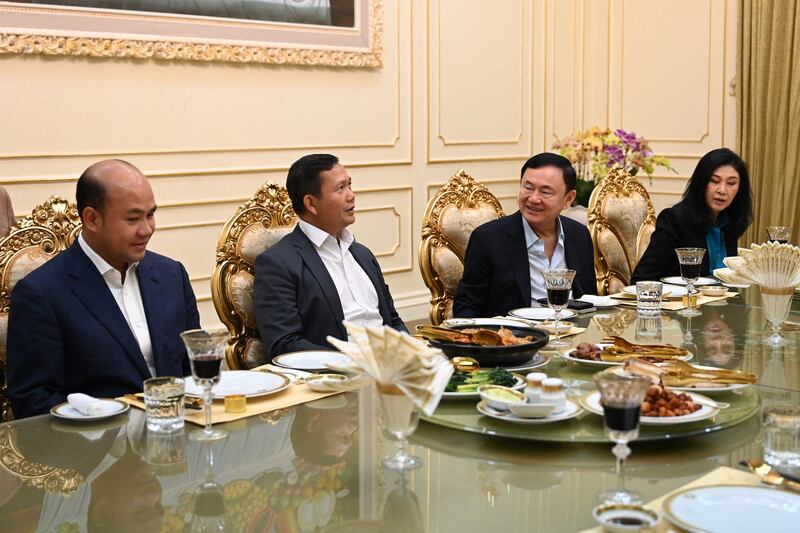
column 296, row 302
column 497, row 273
column 676, row 227
column 67, row 334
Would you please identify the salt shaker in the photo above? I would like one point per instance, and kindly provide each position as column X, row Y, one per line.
column 553, row 393
column 533, row 387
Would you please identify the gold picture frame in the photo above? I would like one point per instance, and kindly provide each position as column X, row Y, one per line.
column 28, row 28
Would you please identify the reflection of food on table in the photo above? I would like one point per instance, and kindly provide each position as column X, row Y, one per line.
column 682, row 374
column 623, row 350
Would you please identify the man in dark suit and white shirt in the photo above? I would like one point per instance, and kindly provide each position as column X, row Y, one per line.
column 505, row 257
column 318, row 275
column 105, row 314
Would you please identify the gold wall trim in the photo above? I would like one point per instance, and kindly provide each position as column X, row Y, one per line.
column 398, row 236
column 185, row 225
column 72, row 43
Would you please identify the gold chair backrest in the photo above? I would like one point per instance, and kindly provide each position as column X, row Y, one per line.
column 621, row 221
column 460, row 206
column 50, row 228
column 262, row 221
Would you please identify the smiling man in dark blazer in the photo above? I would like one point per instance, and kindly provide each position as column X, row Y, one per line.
column 318, row 275
column 105, row 314
column 505, row 257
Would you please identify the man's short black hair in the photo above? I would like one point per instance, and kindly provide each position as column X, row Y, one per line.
column 304, row 178
column 549, row 159
column 90, row 191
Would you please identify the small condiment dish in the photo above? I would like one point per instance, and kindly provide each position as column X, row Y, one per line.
column 714, row 290
column 324, row 382
column 550, row 326
column 532, row 410
column 500, row 398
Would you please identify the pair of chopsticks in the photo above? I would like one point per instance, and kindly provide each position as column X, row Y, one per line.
column 188, row 403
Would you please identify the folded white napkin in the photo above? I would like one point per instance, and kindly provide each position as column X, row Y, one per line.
column 597, row 300
column 91, row 406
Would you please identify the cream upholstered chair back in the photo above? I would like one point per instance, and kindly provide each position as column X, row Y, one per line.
column 50, row 228
column 621, row 221
column 262, row 221
column 460, row 206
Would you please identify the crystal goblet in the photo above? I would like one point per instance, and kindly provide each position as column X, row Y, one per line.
column 779, row 234
column 558, row 283
column 209, row 502
column 777, row 302
column 690, row 260
column 400, row 419
column 206, row 349
column 621, row 396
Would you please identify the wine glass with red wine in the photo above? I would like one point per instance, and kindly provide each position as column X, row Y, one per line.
column 558, row 283
column 621, row 396
column 206, row 349
column 690, row 259
column 779, row 234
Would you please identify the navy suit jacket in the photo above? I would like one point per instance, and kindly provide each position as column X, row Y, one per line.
column 67, row 334
column 296, row 302
column 497, row 275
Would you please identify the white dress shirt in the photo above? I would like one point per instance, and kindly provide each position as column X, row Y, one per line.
column 538, row 261
column 128, row 298
column 356, row 292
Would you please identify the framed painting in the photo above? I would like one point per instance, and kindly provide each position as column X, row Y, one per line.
column 340, row 33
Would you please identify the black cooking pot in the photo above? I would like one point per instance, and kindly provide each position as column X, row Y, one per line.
column 490, row 356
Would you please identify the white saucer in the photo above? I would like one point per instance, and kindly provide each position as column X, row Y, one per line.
column 67, row 412
column 311, row 360
column 571, row 411
column 455, row 322
column 540, row 313
column 702, row 280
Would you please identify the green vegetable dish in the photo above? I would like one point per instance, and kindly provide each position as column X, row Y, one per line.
column 470, row 381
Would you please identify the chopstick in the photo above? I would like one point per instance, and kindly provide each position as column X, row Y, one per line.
column 188, row 404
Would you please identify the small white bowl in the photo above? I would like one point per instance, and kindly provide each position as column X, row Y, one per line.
column 550, row 326
column 500, row 404
column 532, row 410
column 714, row 290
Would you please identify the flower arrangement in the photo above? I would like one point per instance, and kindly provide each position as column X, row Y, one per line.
column 595, row 151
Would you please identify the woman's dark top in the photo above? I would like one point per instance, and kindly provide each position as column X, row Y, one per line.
column 676, row 227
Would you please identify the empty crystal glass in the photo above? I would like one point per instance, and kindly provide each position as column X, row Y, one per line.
column 780, row 234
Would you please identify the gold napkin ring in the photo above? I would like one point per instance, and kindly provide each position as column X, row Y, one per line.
column 235, row 403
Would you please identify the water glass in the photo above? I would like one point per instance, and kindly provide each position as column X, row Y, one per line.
column 648, row 328
column 163, row 401
column 165, row 453
column 782, row 436
column 779, row 234
column 648, row 297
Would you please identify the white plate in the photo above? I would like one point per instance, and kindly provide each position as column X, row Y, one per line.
column 538, row 361
column 244, row 382
column 67, row 412
column 540, row 313
column 599, row 301
column 702, row 280
column 312, row 360
column 571, row 411
column 466, row 395
column 675, row 291
column 591, row 402
column 454, row 322
column 704, row 390
column 734, row 508
column 587, row 362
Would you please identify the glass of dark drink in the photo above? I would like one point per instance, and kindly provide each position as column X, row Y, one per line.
column 206, row 349
column 558, row 283
column 690, row 259
column 779, row 234
column 622, row 396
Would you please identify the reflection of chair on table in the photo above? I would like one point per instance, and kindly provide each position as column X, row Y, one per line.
column 258, row 224
column 459, row 207
column 621, row 221
column 49, row 229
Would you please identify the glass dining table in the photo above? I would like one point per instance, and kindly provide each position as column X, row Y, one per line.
column 317, row 466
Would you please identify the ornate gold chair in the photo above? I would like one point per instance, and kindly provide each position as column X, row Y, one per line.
column 621, row 221
column 32, row 241
column 460, row 206
column 258, row 224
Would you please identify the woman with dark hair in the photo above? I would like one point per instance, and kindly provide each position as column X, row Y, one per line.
column 715, row 211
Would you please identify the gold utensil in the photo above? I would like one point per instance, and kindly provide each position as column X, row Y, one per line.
column 769, row 476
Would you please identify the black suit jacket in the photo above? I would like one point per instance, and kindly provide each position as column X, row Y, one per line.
column 497, row 273
column 676, row 227
column 67, row 334
column 296, row 302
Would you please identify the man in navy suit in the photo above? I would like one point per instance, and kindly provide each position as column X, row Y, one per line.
column 105, row 314
column 318, row 275
column 505, row 257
